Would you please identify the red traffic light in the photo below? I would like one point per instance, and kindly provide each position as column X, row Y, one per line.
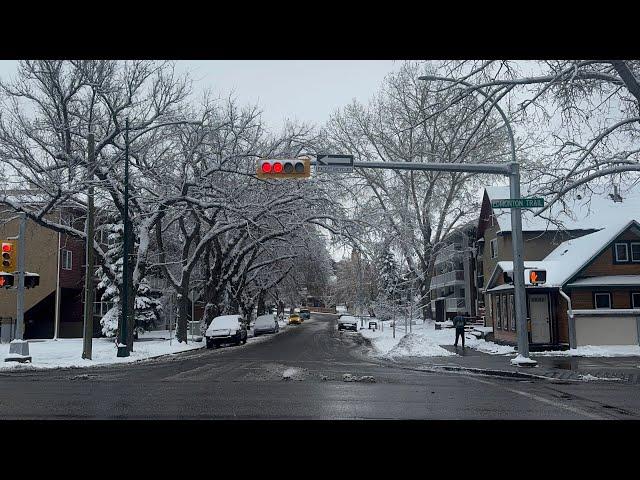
column 283, row 168
column 6, row 247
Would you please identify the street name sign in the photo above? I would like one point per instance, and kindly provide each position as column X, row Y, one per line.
column 517, row 203
column 334, row 163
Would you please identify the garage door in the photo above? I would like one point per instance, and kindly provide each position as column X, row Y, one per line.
column 603, row 330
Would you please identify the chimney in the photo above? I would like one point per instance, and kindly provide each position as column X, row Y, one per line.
column 615, row 196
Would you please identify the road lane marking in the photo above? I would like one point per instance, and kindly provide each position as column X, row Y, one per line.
column 538, row 398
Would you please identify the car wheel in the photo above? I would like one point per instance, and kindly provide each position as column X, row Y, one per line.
column 209, row 344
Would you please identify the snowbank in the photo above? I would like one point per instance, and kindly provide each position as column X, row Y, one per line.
column 594, row 351
column 424, row 341
column 67, row 352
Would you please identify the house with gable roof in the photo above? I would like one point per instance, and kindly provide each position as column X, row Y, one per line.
column 592, row 291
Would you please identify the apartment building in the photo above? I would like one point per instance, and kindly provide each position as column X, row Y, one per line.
column 452, row 289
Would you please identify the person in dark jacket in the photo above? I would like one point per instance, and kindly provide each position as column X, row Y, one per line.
column 459, row 322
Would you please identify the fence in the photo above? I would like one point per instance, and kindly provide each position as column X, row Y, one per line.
column 322, row 309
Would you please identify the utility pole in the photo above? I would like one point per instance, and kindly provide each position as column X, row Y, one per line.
column 123, row 347
column 87, row 345
column 56, row 317
column 18, row 347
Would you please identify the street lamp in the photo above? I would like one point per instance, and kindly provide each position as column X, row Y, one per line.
column 516, row 223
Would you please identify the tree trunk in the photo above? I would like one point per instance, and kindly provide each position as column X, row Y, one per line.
column 262, row 308
column 183, row 315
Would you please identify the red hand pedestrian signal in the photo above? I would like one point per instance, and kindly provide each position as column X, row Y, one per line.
column 536, row 277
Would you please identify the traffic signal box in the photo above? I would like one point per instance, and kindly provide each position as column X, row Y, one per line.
column 533, row 276
column 285, row 168
column 6, row 280
column 537, row 277
column 9, row 257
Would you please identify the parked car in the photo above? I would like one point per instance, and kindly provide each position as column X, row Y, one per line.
column 226, row 329
column 348, row 322
column 265, row 324
column 305, row 314
column 294, row 319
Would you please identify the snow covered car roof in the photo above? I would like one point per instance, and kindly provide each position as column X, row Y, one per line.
column 225, row 321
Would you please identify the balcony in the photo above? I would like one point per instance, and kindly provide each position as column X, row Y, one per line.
column 455, row 305
column 455, row 277
column 449, row 252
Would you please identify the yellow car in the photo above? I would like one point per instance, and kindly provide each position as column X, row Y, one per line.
column 295, row 319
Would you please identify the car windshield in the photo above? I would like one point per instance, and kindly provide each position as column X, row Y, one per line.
column 348, row 318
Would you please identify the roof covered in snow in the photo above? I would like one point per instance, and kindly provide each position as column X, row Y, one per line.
column 607, row 280
column 573, row 255
column 595, row 212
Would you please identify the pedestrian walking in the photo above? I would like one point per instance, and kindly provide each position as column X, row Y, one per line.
column 459, row 323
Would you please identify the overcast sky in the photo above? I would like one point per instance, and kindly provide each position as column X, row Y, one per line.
column 305, row 90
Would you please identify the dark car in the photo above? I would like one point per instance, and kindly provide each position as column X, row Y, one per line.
column 226, row 329
column 265, row 324
column 305, row 314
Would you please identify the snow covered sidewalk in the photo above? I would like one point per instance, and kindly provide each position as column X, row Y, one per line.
column 424, row 341
column 67, row 352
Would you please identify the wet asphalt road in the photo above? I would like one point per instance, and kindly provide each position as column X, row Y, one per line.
column 248, row 382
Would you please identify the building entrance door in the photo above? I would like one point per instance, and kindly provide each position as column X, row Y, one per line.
column 540, row 321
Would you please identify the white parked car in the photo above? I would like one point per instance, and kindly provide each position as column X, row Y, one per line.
column 348, row 322
column 265, row 324
column 226, row 329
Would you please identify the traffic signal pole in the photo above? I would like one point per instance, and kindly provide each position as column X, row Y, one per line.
column 19, row 348
column 87, row 346
column 512, row 171
column 123, row 348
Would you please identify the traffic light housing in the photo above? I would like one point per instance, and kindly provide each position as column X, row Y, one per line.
column 6, row 280
column 283, row 168
column 31, row 280
column 9, row 257
column 536, row 276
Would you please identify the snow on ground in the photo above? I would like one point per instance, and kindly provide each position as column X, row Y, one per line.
column 67, row 352
column 424, row 341
column 594, row 351
column 588, row 377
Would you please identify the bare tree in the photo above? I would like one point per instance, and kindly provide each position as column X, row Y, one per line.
column 414, row 211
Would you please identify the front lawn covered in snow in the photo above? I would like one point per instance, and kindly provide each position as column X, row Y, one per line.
column 423, row 341
column 67, row 352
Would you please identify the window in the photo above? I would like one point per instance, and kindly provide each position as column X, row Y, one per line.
column 621, row 252
column 635, row 251
column 498, row 312
column 494, row 248
column 100, row 309
column 512, row 312
column 602, row 300
column 67, row 259
column 505, row 316
column 635, row 300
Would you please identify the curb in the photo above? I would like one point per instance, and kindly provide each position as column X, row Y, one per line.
column 477, row 371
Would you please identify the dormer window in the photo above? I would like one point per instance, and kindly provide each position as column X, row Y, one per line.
column 621, row 252
column 494, row 248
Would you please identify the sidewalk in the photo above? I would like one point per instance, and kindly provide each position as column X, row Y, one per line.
column 620, row 369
